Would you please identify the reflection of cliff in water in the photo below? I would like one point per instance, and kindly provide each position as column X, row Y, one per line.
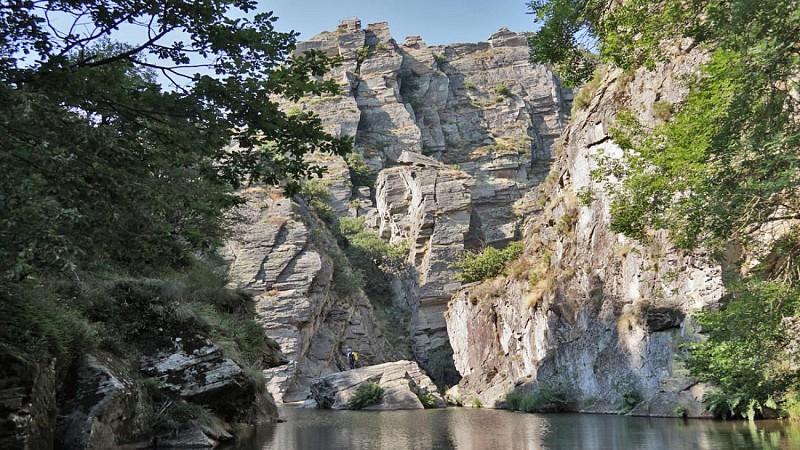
column 477, row 429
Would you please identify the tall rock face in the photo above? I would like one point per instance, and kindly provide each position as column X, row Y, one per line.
column 585, row 310
column 453, row 134
column 282, row 253
column 428, row 205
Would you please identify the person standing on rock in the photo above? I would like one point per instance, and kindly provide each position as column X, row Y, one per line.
column 352, row 359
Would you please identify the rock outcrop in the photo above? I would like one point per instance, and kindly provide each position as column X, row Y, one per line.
column 284, row 255
column 193, row 368
column 403, row 383
column 102, row 407
column 587, row 309
column 27, row 401
column 427, row 204
column 453, row 134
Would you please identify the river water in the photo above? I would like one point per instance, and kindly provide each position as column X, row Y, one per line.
column 486, row 429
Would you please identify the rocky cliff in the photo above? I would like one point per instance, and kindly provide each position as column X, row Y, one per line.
column 587, row 312
column 287, row 258
column 447, row 138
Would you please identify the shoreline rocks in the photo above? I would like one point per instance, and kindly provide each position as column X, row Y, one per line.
column 403, row 382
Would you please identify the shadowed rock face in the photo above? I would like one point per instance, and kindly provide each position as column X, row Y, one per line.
column 585, row 308
column 27, row 402
column 403, row 383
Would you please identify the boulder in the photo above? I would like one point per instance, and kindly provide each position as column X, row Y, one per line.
column 403, row 383
column 101, row 410
column 27, row 401
column 191, row 366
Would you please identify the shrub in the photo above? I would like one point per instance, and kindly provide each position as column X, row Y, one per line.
column 746, row 348
column 365, row 246
column 662, row 110
column 585, row 94
column 428, row 400
column 179, row 415
column 317, row 195
column 362, row 53
column 549, row 395
column 441, row 367
column 502, row 90
column 346, row 280
column 360, row 173
column 367, row 394
column 513, row 401
column 490, row 263
column 586, row 195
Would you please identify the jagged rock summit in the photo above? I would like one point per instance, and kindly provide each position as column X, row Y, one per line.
column 448, row 139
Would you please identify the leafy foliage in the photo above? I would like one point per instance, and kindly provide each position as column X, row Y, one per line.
column 502, row 90
column 428, row 400
column 367, row 394
column 360, row 172
column 102, row 166
column 548, row 395
column 365, row 246
column 317, row 195
column 723, row 166
column 489, row 263
column 744, row 355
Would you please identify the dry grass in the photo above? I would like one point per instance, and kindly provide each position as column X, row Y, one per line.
column 587, row 92
column 632, row 318
column 543, row 288
column 275, row 194
column 255, row 190
column 487, row 290
column 518, row 269
column 622, row 251
column 276, row 220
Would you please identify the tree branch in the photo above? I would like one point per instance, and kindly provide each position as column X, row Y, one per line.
column 123, row 55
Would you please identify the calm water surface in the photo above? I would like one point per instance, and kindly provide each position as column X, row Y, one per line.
column 486, row 429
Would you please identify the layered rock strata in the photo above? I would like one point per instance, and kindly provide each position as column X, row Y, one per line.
column 403, row 384
column 283, row 254
column 476, row 120
column 596, row 314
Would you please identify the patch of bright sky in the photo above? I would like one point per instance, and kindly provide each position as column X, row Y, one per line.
column 436, row 21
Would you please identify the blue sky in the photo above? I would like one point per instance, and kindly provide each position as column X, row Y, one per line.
column 437, row 21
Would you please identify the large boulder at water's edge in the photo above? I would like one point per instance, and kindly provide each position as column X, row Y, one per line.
column 403, row 383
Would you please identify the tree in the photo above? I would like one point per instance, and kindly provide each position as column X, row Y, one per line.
column 102, row 165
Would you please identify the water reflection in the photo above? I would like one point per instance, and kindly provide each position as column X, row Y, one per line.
column 471, row 429
column 604, row 432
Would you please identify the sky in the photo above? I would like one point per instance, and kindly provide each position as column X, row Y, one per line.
column 436, row 21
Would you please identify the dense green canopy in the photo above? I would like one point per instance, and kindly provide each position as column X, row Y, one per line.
column 101, row 164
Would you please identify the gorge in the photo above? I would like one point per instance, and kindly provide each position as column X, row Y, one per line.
column 465, row 153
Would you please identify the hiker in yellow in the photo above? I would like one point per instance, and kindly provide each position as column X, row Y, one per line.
column 352, row 359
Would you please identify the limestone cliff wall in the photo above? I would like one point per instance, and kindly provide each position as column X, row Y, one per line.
column 453, row 134
column 282, row 253
column 587, row 309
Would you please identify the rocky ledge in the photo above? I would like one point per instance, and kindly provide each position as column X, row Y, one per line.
column 403, row 383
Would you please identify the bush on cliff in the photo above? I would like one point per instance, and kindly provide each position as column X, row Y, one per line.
column 746, row 354
column 489, row 263
column 367, row 394
column 718, row 170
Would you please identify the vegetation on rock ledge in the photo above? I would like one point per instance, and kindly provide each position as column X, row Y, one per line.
column 722, row 167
